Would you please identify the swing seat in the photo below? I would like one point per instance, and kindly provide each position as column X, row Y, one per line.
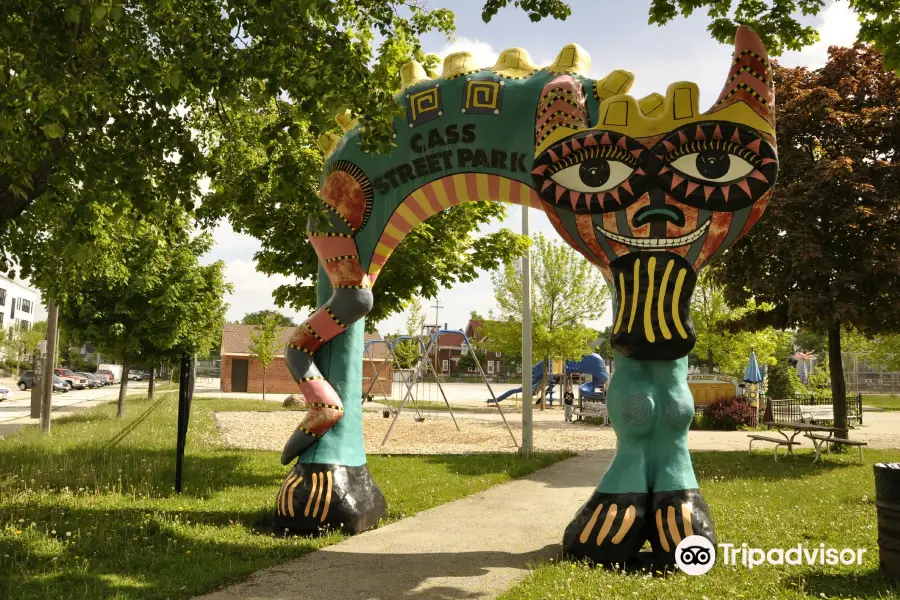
column 419, row 419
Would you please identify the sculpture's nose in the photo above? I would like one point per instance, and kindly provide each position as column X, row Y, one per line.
column 658, row 213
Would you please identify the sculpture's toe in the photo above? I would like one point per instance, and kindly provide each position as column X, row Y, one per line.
column 609, row 528
column 676, row 515
column 317, row 497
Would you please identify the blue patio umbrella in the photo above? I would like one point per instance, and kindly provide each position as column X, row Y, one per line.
column 751, row 372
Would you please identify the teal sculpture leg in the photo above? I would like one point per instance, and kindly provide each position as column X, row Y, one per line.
column 649, row 491
column 330, row 487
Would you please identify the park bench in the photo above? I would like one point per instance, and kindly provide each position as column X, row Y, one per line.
column 754, row 437
column 827, row 440
column 810, row 413
column 592, row 410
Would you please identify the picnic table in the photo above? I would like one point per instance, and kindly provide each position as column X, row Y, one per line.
column 819, row 435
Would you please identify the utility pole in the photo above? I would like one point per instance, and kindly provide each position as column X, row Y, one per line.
column 49, row 365
column 527, row 439
column 437, row 306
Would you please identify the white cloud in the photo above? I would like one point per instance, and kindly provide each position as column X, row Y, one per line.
column 482, row 52
column 839, row 27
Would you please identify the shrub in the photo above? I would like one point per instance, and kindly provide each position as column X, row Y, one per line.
column 782, row 381
column 728, row 414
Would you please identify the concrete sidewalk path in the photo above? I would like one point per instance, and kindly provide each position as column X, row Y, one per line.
column 476, row 547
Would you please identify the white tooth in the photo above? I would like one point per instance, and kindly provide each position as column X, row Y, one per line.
column 652, row 243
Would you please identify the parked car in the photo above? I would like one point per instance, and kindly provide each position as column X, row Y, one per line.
column 76, row 381
column 138, row 375
column 26, row 382
column 110, row 376
column 61, row 385
column 92, row 381
column 5, row 393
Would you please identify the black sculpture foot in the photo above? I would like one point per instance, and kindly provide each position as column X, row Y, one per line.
column 609, row 528
column 676, row 515
column 318, row 497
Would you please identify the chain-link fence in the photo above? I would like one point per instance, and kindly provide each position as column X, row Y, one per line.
column 864, row 377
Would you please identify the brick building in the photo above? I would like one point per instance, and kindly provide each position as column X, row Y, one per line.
column 493, row 361
column 450, row 350
column 242, row 372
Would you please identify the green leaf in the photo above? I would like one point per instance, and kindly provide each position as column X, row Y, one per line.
column 53, row 131
column 73, row 15
column 98, row 14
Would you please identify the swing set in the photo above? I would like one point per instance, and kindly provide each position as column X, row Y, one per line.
column 422, row 368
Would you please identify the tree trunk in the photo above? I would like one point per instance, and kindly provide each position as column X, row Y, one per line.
column 123, row 385
column 151, row 386
column 838, row 386
column 264, row 382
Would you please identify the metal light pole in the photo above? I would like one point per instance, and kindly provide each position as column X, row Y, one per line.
column 527, row 440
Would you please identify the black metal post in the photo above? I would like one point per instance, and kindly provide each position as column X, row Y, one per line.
column 185, row 394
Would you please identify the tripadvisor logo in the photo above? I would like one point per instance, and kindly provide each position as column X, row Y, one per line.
column 695, row 555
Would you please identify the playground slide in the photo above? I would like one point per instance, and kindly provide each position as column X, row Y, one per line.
column 591, row 364
column 537, row 373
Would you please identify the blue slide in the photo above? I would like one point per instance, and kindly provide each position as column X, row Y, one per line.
column 591, row 364
column 537, row 373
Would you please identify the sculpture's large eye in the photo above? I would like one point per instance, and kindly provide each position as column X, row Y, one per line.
column 593, row 170
column 715, row 161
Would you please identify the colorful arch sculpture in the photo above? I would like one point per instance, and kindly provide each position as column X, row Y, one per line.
column 648, row 190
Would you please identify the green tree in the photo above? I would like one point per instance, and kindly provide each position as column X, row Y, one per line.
column 467, row 361
column 261, row 317
column 722, row 342
column 20, row 343
column 824, row 256
column 780, row 384
column 102, row 103
column 566, row 291
column 167, row 304
column 778, row 24
column 885, row 352
column 408, row 351
column 264, row 343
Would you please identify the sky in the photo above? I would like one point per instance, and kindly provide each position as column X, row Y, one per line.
column 617, row 36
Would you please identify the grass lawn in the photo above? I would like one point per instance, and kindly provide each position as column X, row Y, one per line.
column 91, row 512
column 882, row 402
column 765, row 505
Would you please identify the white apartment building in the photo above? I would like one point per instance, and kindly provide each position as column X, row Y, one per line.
column 17, row 304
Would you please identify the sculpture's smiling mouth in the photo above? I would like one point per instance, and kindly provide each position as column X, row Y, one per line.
column 656, row 243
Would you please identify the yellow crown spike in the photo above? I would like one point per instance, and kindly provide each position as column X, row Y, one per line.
column 619, row 111
column 514, row 63
column 616, row 83
column 345, row 121
column 652, row 105
column 328, row 142
column 411, row 73
column 458, row 63
column 682, row 101
column 572, row 59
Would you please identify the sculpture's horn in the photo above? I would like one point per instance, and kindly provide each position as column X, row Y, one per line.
column 750, row 78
